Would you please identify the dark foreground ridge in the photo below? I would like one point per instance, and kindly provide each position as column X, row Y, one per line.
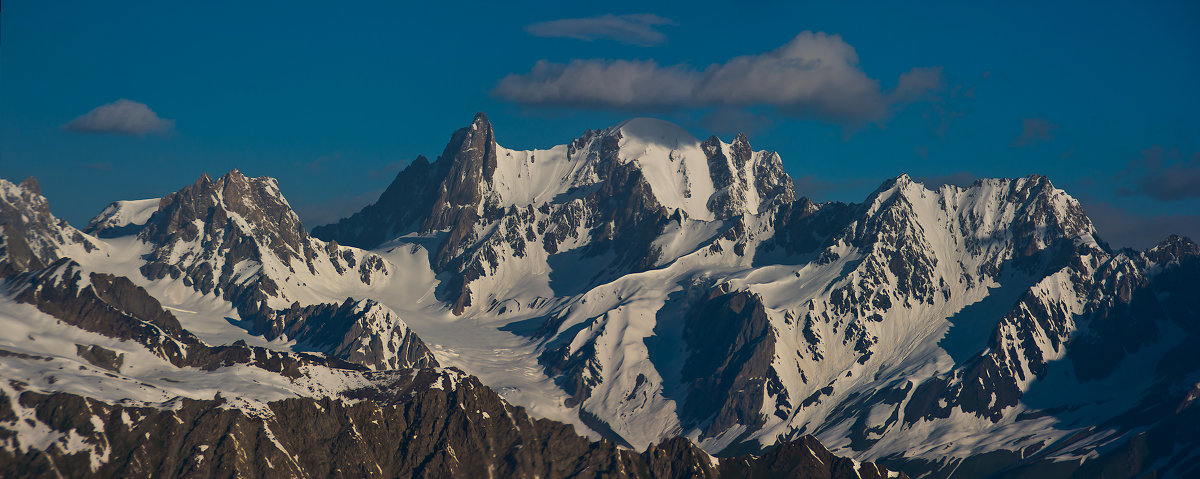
column 416, row 431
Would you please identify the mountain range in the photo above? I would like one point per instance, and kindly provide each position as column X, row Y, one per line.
column 636, row 302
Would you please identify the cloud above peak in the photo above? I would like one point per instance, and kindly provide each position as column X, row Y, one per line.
column 814, row 75
column 121, row 117
column 636, row 29
column 1165, row 174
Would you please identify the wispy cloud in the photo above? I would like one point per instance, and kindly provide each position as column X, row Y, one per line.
column 1035, row 130
column 1163, row 174
column 319, row 163
column 638, row 29
column 121, row 117
column 815, row 75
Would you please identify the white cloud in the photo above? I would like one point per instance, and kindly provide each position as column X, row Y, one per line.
column 814, row 75
column 637, row 29
column 121, row 117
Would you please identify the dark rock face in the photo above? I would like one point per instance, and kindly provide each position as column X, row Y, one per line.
column 362, row 332
column 464, row 431
column 772, row 182
column 470, row 162
column 628, row 215
column 401, row 206
column 802, row 227
column 16, row 253
column 724, row 201
column 731, row 345
column 101, row 357
column 803, row 458
column 732, row 179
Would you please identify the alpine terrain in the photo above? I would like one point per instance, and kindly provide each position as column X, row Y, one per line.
column 636, row 302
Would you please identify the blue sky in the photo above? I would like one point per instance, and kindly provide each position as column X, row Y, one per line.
column 333, row 100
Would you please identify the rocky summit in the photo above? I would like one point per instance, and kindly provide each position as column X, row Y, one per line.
column 635, row 302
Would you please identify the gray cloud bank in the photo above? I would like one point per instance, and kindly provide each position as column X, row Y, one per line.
column 121, row 117
column 815, row 75
column 1162, row 174
column 1122, row 228
column 637, row 29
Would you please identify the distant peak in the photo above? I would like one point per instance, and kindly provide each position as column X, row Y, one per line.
column 1174, row 240
column 233, row 175
column 1040, row 180
column 481, row 122
column 900, row 181
column 1173, row 248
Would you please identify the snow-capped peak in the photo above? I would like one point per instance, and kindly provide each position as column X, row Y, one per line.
column 32, row 236
column 121, row 217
